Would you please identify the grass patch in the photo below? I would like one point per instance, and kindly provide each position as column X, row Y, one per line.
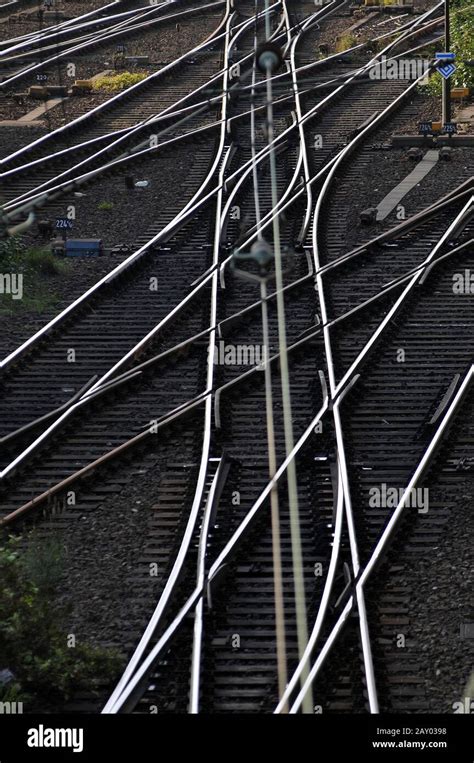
column 105, row 206
column 43, row 261
column 32, row 268
column 33, row 642
column 112, row 83
column 345, row 41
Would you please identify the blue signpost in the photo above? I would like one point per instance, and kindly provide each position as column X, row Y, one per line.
column 447, row 69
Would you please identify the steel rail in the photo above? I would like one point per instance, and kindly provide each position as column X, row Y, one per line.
column 306, row 337
column 301, row 612
column 168, row 418
column 361, row 46
column 336, row 390
column 141, row 673
column 53, row 41
column 421, row 270
column 41, row 197
column 66, row 27
column 195, row 685
column 341, row 455
column 214, row 37
column 131, row 154
column 256, row 370
column 363, row 622
column 302, row 136
column 107, row 278
column 77, row 45
column 411, row 222
column 106, row 35
column 196, row 652
column 149, row 121
column 78, row 119
column 120, row 692
column 255, row 306
column 180, row 219
column 202, row 282
column 135, row 152
column 304, row 658
column 244, row 176
column 176, row 349
column 127, row 131
column 103, row 381
column 162, row 116
column 26, row 202
column 382, row 544
column 124, row 135
column 137, row 372
column 50, row 414
column 340, row 389
column 312, row 332
column 267, row 220
column 324, row 603
column 6, row 5
column 402, row 298
column 133, row 680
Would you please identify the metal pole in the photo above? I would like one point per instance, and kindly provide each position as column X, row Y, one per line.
column 446, row 111
column 275, row 509
column 295, row 529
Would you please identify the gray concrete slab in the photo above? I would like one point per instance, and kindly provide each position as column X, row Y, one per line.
column 40, row 110
column 395, row 196
column 16, row 123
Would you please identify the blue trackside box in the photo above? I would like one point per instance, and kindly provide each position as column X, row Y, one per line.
column 83, row 247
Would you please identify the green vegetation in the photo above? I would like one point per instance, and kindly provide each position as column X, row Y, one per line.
column 105, row 206
column 43, row 261
column 345, row 41
column 35, row 265
column 33, row 644
column 462, row 43
column 114, row 82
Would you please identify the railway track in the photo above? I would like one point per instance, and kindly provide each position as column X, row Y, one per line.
column 334, row 132
column 363, row 418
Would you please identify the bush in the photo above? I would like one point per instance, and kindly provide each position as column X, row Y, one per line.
column 33, row 645
column 35, row 265
column 115, row 82
column 462, row 43
column 11, row 249
column 44, row 563
column 43, row 261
